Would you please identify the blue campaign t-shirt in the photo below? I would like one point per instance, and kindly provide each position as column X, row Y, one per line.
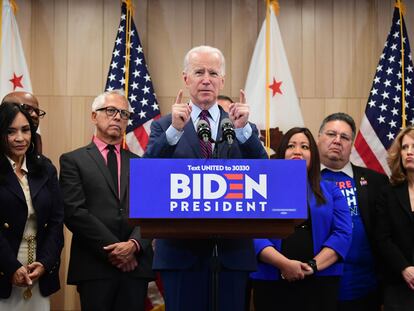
column 359, row 276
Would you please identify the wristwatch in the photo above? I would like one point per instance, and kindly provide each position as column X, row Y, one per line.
column 312, row 264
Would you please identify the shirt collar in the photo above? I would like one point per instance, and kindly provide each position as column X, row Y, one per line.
column 347, row 169
column 102, row 145
column 13, row 165
column 214, row 112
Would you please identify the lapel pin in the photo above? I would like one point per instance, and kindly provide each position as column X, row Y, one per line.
column 363, row 181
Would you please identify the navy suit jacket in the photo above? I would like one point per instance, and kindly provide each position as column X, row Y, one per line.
column 47, row 203
column 236, row 254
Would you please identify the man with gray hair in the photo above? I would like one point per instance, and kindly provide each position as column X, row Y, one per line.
column 185, row 265
column 359, row 284
column 109, row 263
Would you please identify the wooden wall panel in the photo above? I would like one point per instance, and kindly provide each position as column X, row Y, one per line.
column 313, row 110
column 24, row 21
column 243, row 40
column 60, row 62
column 167, row 46
column 42, row 46
column 290, row 24
column 308, row 49
column 198, row 22
column 85, row 37
column 364, row 54
column 343, row 33
column 221, row 26
column 324, row 45
column 333, row 47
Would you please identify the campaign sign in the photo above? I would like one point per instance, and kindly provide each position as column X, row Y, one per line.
column 217, row 188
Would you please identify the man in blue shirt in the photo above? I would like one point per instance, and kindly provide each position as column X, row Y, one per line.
column 359, row 287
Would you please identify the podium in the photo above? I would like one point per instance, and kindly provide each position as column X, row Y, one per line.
column 245, row 198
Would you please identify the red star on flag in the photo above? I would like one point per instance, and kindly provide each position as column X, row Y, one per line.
column 17, row 81
column 275, row 86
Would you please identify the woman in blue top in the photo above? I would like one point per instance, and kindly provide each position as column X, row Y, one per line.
column 301, row 272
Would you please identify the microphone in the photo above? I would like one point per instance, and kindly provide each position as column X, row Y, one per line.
column 203, row 131
column 227, row 128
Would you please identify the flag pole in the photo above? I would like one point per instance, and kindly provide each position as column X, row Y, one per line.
column 267, row 139
column 399, row 5
column 1, row 29
column 127, row 44
column 129, row 6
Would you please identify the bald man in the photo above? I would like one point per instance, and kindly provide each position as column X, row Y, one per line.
column 31, row 104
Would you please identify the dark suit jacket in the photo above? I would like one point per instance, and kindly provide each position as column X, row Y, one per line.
column 236, row 254
column 96, row 216
column 395, row 230
column 47, row 203
column 368, row 183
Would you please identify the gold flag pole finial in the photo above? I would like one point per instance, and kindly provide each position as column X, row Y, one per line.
column 399, row 4
column 14, row 6
column 275, row 6
column 130, row 6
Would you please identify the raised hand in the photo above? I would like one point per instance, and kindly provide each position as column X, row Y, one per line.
column 181, row 112
column 239, row 112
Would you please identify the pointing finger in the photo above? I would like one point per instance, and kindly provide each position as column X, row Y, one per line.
column 242, row 97
column 179, row 97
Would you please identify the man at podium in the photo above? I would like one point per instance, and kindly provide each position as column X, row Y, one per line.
column 185, row 265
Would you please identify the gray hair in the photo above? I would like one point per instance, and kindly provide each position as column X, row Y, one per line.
column 205, row 49
column 340, row 116
column 99, row 100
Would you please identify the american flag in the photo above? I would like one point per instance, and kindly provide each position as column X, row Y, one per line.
column 139, row 90
column 383, row 114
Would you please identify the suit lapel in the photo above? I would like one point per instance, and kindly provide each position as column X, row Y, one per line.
column 362, row 195
column 13, row 185
column 97, row 157
column 191, row 139
column 36, row 182
column 403, row 196
column 124, row 173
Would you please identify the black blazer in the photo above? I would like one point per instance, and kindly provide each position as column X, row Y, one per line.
column 236, row 254
column 97, row 216
column 368, row 183
column 395, row 231
column 47, row 203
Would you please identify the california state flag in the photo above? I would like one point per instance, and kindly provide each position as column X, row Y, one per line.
column 14, row 75
column 284, row 107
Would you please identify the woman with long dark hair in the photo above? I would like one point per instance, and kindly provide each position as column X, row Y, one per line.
column 31, row 216
column 301, row 272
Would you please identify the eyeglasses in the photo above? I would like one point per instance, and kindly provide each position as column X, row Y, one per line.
column 112, row 111
column 342, row 136
column 30, row 109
